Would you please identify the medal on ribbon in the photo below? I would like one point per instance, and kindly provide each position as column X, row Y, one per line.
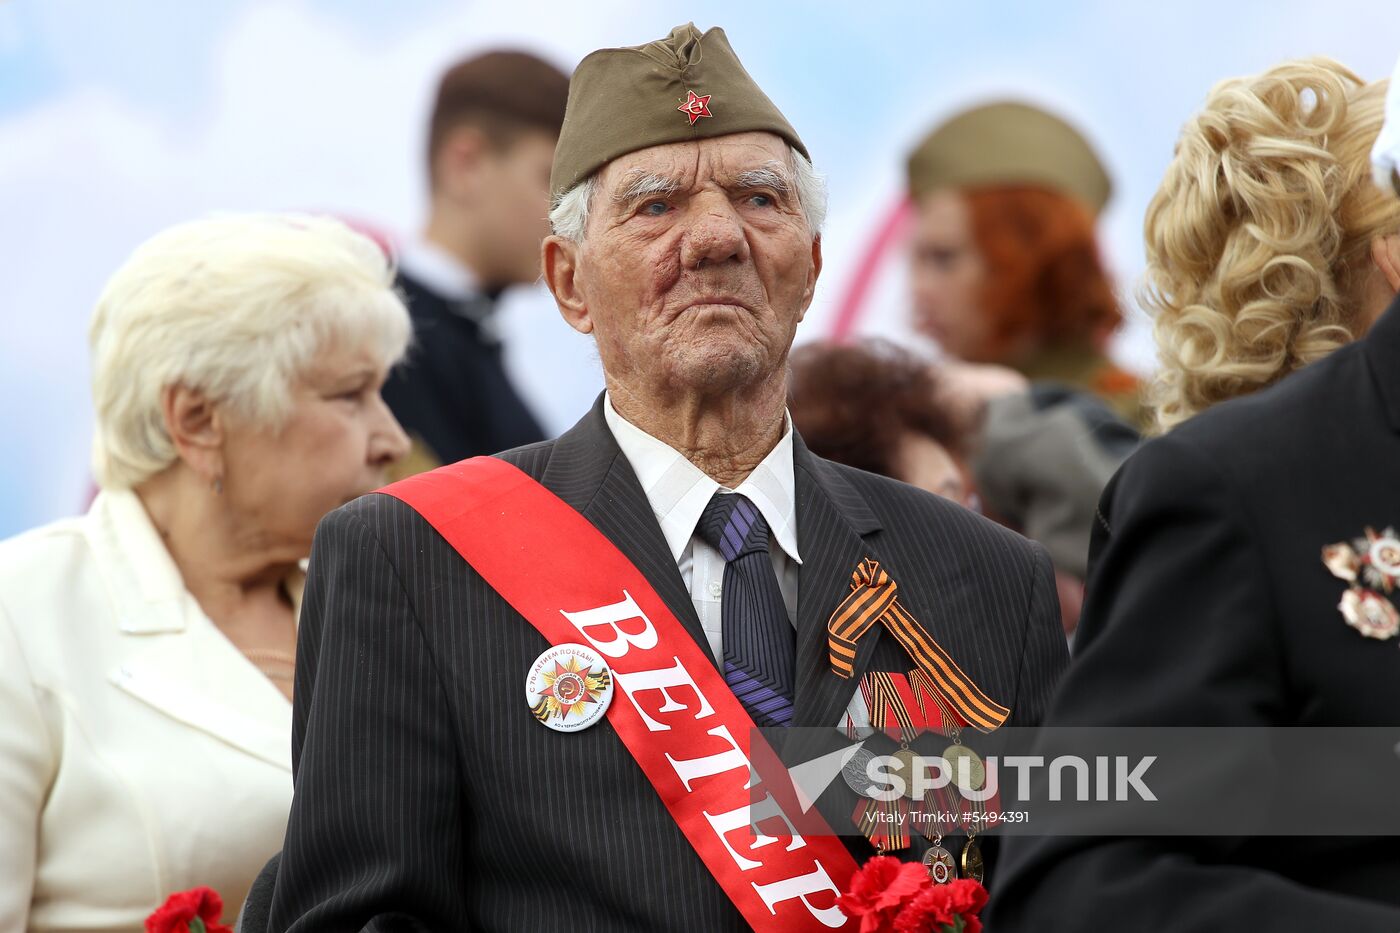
column 893, row 710
column 934, row 818
column 936, row 696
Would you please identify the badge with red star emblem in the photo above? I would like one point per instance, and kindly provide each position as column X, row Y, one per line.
column 569, row 688
column 696, row 106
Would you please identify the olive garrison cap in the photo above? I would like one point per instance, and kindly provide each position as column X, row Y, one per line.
column 1009, row 143
column 684, row 87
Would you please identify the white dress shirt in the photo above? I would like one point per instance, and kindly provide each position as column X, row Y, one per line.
column 678, row 492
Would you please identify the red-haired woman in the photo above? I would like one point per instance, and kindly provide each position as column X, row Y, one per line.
column 1006, row 268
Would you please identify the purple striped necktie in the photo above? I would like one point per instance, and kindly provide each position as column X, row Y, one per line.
column 758, row 640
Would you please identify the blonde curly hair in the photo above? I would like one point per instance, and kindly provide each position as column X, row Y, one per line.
column 1258, row 239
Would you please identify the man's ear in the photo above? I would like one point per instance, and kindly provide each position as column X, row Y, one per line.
column 196, row 427
column 1385, row 253
column 559, row 259
column 811, row 289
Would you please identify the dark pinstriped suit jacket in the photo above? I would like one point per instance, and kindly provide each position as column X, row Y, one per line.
column 427, row 796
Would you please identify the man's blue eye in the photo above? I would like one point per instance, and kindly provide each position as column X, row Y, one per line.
column 655, row 208
column 761, row 200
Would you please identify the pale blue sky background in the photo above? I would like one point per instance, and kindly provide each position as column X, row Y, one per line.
column 118, row 118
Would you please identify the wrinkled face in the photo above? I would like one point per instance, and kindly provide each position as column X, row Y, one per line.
column 335, row 446
column 947, row 273
column 696, row 266
column 513, row 204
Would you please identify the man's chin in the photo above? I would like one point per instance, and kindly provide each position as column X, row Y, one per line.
column 719, row 369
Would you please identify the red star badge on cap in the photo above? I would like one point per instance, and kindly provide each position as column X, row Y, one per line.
column 696, row 106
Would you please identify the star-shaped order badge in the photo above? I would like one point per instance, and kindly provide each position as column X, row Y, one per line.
column 1371, row 564
column 568, row 688
column 696, row 106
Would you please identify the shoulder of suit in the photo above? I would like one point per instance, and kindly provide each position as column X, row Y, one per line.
column 1239, row 453
column 1265, row 433
column 40, row 569
column 904, row 510
column 422, row 301
column 48, row 548
column 530, row 459
column 1283, row 412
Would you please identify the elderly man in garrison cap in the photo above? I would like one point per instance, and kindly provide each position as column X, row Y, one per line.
column 529, row 683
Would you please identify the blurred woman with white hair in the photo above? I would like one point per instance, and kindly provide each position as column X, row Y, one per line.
column 146, row 648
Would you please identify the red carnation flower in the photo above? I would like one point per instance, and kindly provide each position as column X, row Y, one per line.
column 878, row 891
column 927, row 913
column 195, row 911
column 966, row 896
column 941, row 907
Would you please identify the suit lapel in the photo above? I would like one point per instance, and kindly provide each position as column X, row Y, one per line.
column 833, row 525
column 588, row 471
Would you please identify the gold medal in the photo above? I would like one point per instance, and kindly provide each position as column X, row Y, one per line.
column 941, row 866
column 972, row 860
column 908, row 764
column 960, row 758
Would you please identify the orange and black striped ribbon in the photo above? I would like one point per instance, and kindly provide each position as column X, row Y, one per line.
column 874, row 598
column 932, row 702
column 884, row 822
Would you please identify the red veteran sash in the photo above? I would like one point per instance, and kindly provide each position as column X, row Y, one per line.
column 681, row 723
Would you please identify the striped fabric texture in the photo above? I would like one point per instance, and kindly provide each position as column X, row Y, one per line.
column 760, row 649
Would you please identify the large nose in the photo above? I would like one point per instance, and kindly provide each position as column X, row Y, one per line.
column 387, row 441
column 715, row 233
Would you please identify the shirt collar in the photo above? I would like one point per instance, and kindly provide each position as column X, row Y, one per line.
column 140, row 572
column 438, row 269
column 678, row 490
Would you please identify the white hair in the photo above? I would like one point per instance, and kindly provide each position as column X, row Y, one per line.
column 236, row 306
column 568, row 217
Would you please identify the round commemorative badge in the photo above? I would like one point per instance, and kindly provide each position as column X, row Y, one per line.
column 569, row 687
